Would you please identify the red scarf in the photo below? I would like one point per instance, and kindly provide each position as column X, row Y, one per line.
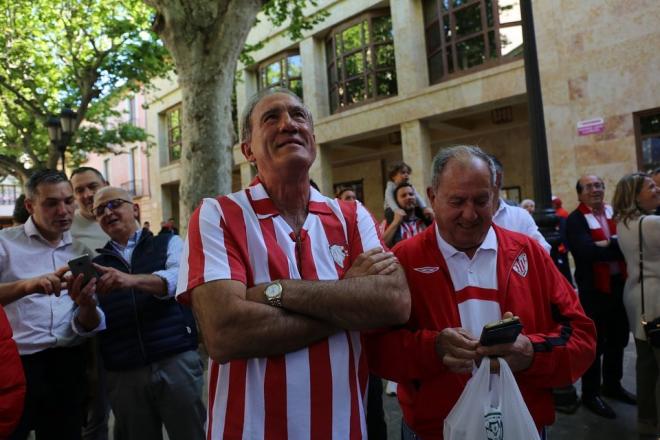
column 601, row 269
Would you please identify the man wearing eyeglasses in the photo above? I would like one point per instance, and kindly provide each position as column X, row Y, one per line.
column 600, row 274
column 154, row 373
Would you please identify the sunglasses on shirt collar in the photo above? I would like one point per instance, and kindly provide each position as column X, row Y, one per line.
column 110, row 204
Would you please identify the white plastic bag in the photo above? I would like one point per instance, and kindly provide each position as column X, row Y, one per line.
column 490, row 408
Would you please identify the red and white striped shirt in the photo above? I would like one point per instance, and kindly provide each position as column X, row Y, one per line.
column 315, row 392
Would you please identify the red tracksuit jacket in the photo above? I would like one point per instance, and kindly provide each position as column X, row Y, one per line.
column 12, row 380
column 564, row 339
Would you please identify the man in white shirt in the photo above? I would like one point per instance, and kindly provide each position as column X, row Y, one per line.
column 85, row 182
column 85, row 229
column 513, row 218
column 44, row 317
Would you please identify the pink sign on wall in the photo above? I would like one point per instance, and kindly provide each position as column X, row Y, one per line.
column 590, row 126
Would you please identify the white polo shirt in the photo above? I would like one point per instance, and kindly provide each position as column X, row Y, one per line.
column 39, row 321
column 517, row 219
column 475, row 282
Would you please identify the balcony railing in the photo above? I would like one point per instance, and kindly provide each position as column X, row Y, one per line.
column 135, row 188
column 9, row 194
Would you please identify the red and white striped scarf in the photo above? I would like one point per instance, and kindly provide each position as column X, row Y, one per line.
column 601, row 269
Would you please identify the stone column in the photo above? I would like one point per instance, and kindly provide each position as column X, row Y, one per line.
column 321, row 171
column 315, row 95
column 314, row 76
column 416, row 151
column 409, row 45
column 246, row 86
column 247, row 171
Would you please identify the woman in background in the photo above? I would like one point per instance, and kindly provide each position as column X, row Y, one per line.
column 635, row 199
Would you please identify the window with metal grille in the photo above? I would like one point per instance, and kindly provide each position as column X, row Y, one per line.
column 283, row 70
column 173, row 118
column 647, row 133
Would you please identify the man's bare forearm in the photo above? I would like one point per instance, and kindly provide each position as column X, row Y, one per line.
column 12, row 291
column 234, row 328
column 358, row 303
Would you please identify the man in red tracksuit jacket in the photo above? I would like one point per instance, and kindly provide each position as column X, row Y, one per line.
column 505, row 273
column 12, row 380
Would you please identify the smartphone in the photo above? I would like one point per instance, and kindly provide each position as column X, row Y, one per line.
column 83, row 265
column 503, row 331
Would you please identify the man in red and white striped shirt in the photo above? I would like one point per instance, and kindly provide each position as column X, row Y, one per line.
column 281, row 278
column 397, row 227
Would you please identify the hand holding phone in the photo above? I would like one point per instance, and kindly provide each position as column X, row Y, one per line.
column 83, row 265
column 503, row 331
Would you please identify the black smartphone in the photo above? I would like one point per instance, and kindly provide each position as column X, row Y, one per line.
column 83, row 265
column 503, row 331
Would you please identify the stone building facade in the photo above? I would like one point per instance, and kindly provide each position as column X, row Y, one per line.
column 401, row 79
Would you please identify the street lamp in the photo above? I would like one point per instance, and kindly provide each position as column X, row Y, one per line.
column 60, row 130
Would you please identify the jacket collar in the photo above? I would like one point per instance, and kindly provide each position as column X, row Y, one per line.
column 509, row 247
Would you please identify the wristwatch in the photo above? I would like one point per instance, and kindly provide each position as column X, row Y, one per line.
column 273, row 294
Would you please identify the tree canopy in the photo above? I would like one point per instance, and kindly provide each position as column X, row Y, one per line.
column 85, row 54
column 206, row 38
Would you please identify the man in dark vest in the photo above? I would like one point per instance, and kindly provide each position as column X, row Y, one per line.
column 600, row 274
column 149, row 345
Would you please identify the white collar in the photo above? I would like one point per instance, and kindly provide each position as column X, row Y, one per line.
column 131, row 240
column 31, row 230
column 448, row 251
column 502, row 207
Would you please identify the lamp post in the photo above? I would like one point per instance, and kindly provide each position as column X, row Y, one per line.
column 545, row 215
column 60, row 131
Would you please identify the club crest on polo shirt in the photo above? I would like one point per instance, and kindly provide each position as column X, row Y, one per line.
column 521, row 265
column 339, row 254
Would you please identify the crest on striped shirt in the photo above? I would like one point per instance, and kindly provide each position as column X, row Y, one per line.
column 339, row 254
column 521, row 265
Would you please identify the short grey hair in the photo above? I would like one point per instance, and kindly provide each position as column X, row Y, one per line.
column 461, row 153
column 246, row 116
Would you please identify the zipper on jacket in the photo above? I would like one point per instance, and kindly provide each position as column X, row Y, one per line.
column 135, row 314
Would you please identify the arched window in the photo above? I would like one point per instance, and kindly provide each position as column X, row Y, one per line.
column 462, row 35
column 360, row 57
column 283, row 70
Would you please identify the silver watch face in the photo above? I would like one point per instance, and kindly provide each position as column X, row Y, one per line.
column 273, row 290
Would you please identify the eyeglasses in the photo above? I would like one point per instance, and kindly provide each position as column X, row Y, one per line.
column 594, row 186
column 110, row 204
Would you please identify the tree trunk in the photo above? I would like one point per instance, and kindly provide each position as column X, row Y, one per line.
column 205, row 41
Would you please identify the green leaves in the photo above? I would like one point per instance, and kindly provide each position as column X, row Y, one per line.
column 291, row 13
column 279, row 11
column 78, row 53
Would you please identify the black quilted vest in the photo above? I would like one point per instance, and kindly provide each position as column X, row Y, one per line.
column 140, row 328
